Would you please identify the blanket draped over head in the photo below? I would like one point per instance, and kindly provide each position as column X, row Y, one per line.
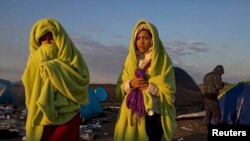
column 55, row 86
column 161, row 73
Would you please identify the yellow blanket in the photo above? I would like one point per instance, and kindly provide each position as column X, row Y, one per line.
column 56, row 80
column 161, row 73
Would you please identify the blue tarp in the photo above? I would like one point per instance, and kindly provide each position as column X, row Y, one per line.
column 93, row 108
column 235, row 104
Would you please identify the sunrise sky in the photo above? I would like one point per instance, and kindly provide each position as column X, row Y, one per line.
column 197, row 34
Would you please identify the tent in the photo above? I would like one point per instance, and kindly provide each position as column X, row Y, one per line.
column 235, row 104
column 93, row 108
column 12, row 92
column 188, row 97
column 5, row 92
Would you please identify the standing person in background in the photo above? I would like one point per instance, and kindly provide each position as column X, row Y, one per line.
column 212, row 83
column 146, row 87
column 56, row 81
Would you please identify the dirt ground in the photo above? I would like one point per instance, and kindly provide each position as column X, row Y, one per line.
column 187, row 129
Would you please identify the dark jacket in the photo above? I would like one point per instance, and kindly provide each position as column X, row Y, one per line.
column 212, row 81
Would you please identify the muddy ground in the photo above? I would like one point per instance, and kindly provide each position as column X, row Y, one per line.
column 187, row 129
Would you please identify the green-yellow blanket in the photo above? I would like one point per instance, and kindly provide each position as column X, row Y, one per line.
column 55, row 80
column 161, row 73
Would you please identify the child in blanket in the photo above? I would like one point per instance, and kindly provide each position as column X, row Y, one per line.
column 147, row 111
column 56, row 81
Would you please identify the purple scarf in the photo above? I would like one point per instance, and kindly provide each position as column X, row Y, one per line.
column 134, row 100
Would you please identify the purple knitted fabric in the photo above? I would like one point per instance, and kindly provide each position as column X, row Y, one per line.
column 134, row 100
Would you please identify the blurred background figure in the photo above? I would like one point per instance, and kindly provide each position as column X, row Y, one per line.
column 212, row 83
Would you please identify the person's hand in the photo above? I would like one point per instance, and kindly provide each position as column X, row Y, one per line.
column 144, row 87
column 140, row 83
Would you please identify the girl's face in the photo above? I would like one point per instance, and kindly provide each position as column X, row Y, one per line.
column 47, row 39
column 143, row 41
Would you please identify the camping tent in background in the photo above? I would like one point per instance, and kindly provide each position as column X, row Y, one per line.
column 235, row 104
column 5, row 92
column 188, row 97
column 18, row 93
column 93, row 108
column 12, row 93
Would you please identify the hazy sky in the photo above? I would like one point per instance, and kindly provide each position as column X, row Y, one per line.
column 197, row 34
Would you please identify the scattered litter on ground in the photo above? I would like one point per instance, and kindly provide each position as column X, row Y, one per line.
column 12, row 124
column 185, row 128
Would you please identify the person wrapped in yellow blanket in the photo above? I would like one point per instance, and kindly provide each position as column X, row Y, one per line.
column 56, row 81
column 157, row 115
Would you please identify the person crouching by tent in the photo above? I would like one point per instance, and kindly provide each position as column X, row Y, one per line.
column 146, row 87
column 56, row 80
column 212, row 83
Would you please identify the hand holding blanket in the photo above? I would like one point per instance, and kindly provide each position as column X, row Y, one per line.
column 134, row 99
